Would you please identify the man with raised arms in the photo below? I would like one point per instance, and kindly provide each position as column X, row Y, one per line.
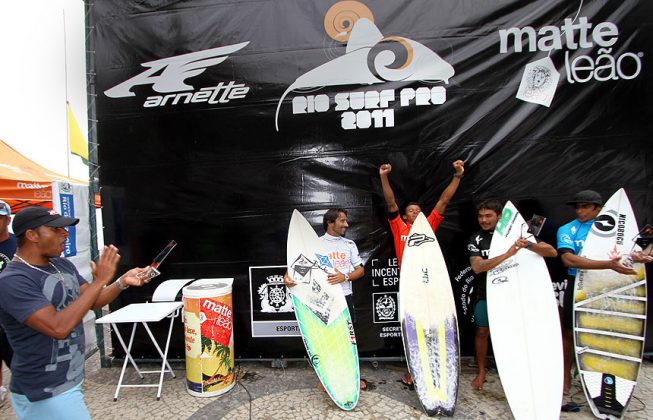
column 400, row 225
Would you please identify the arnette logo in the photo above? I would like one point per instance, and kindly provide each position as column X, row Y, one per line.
column 370, row 58
column 572, row 35
column 168, row 76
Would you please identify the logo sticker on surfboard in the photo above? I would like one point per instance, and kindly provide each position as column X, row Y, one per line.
column 417, row 239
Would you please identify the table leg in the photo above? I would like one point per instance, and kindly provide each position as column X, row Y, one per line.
column 127, row 354
column 127, row 357
column 164, row 355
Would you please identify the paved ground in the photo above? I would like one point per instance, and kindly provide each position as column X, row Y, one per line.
column 273, row 393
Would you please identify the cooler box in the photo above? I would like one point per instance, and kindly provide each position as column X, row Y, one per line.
column 208, row 327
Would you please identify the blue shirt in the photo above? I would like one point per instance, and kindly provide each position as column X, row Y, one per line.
column 7, row 251
column 571, row 237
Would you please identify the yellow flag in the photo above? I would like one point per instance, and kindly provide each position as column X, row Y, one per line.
column 78, row 145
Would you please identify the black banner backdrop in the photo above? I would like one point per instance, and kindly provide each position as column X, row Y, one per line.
column 217, row 118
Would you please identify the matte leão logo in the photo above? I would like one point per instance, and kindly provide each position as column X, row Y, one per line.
column 601, row 61
column 369, row 59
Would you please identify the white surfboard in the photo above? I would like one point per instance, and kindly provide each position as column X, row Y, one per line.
column 322, row 315
column 610, row 313
column 429, row 326
column 524, row 324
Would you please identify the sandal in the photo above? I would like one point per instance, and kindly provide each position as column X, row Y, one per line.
column 570, row 407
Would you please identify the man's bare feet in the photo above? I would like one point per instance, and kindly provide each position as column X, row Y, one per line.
column 407, row 379
column 477, row 383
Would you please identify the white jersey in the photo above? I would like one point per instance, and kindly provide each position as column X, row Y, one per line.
column 344, row 255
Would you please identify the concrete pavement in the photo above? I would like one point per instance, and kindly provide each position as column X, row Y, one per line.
column 264, row 392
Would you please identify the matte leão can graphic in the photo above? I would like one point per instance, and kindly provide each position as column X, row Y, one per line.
column 208, row 334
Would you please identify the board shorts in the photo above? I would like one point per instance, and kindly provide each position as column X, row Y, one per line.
column 568, row 303
column 68, row 405
column 480, row 313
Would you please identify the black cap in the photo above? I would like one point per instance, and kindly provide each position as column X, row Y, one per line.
column 586, row 196
column 35, row 216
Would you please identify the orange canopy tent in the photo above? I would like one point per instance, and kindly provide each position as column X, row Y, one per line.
column 24, row 183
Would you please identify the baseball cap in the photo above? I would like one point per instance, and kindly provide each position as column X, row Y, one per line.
column 35, row 216
column 5, row 210
column 586, row 196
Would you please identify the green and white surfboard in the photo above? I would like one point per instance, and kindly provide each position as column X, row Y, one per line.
column 322, row 314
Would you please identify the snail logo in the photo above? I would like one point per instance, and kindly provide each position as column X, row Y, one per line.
column 370, row 58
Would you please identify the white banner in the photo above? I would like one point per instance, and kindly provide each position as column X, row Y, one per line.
column 71, row 200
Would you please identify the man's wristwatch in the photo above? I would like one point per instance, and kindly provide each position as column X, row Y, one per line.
column 119, row 284
column 346, row 277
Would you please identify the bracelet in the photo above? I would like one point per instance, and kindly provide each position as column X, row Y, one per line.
column 346, row 277
column 119, row 284
column 530, row 245
column 458, row 175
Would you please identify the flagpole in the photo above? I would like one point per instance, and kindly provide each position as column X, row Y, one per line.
column 65, row 61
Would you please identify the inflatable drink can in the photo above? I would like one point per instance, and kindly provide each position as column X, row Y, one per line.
column 208, row 333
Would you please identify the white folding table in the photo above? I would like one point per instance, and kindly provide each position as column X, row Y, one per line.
column 162, row 306
column 143, row 313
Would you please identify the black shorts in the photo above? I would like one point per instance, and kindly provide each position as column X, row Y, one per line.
column 568, row 303
column 350, row 305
